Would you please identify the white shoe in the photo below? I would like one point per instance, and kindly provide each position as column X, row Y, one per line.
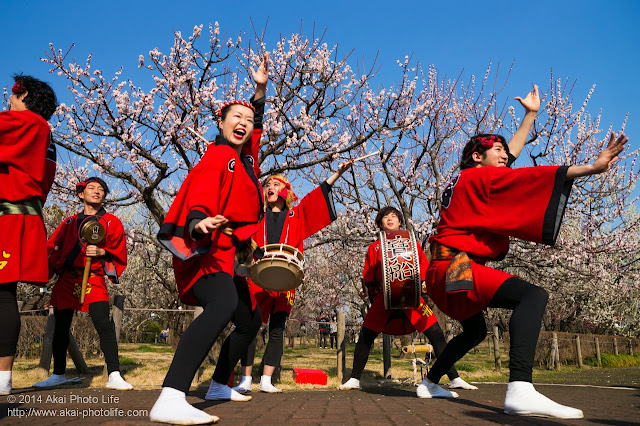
column 427, row 389
column 244, row 386
column 117, row 382
column 5, row 382
column 266, row 386
column 172, row 407
column 51, row 382
column 523, row 400
column 222, row 392
column 459, row 383
column 350, row 384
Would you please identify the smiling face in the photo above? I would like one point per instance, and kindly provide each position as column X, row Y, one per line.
column 390, row 222
column 495, row 156
column 237, row 125
column 271, row 191
column 93, row 194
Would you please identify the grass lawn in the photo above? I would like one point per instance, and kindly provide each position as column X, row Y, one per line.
column 145, row 365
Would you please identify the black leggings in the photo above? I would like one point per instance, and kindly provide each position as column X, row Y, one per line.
column 223, row 300
column 528, row 303
column 9, row 318
column 367, row 336
column 99, row 312
column 273, row 351
column 248, row 323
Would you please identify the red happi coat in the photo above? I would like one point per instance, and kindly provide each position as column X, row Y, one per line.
column 481, row 209
column 394, row 322
column 314, row 212
column 27, row 170
column 222, row 183
column 67, row 259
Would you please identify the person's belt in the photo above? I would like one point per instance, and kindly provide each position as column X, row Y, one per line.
column 78, row 272
column 32, row 206
column 459, row 276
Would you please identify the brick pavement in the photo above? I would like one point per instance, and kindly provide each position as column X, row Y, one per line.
column 381, row 405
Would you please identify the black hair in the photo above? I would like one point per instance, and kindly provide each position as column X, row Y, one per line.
column 40, row 97
column 224, row 111
column 385, row 211
column 80, row 188
column 475, row 145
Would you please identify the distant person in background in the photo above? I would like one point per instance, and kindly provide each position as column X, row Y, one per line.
column 323, row 328
column 333, row 332
column 27, row 170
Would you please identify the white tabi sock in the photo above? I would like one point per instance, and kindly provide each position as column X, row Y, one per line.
column 459, row 383
column 266, row 386
column 5, row 382
column 172, row 407
column 428, row 389
column 218, row 391
column 350, row 384
column 117, row 382
column 523, row 400
column 244, row 385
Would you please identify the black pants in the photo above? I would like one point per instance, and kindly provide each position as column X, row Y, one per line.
column 9, row 318
column 528, row 303
column 223, row 300
column 323, row 339
column 333, row 339
column 367, row 336
column 274, row 349
column 99, row 312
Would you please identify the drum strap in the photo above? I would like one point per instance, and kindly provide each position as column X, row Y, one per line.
column 32, row 207
column 459, row 275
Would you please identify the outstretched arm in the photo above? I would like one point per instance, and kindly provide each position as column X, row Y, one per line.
column 343, row 168
column 261, row 77
column 605, row 160
column 531, row 106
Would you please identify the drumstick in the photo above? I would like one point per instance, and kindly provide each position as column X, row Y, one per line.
column 199, row 135
column 85, row 279
column 366, row 156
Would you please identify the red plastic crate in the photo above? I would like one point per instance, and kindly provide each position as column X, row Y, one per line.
column 310, row 376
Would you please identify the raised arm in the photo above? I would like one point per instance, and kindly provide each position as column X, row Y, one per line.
column 261, row 77
column 343, row 168
column 531, row 106
column 605, row 160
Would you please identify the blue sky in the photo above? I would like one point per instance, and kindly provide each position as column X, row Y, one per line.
column 591, row 41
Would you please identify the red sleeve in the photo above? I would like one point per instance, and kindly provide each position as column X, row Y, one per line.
column 115, row 261
column 370, row 263
column 424, row 263
column 316, row 210
column 199, row 196
column 54, row 246
column 526, row 203
column 24, row 139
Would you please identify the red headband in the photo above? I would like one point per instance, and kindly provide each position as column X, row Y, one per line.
column 80, row 185
column 285, row 191
column 18, row 87
column 243, row 103
column 485, row 142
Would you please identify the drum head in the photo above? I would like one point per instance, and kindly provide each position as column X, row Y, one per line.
column 276, row 275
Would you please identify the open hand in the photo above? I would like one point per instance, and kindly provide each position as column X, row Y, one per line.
column 209, row 224
column 261, row 75
column 609, row 155
column 532, row 102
